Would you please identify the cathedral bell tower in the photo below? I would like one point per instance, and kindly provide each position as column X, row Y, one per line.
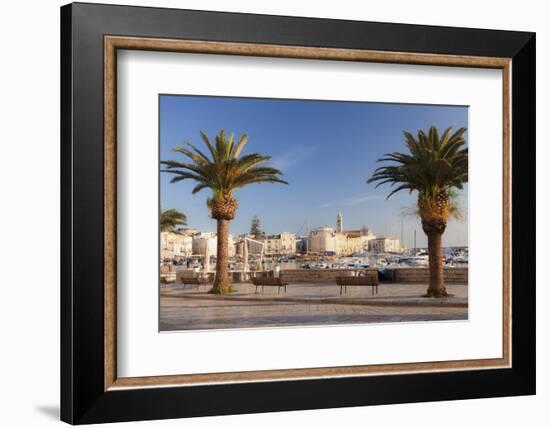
column 339, row 223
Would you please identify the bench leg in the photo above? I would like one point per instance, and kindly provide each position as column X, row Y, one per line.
column 372, row 289
column 279, row 289
column 262, row 288
column 285, row 289
column 340, row 290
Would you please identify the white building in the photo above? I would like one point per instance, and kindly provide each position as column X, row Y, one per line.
column 340, row 242
column 254, row 247
column 271, row 245
column 322, row 240
column 204, row 242
column 281, row 244
column 385, row 245
column 175, row 245
column 354, row 241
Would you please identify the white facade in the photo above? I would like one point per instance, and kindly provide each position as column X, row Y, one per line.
column 357, row 241
column 340, row 242
column 207, row 242
column 254, row 247
column 385, row 245
column 175, row 245
column 284, row 244
column 322, row 240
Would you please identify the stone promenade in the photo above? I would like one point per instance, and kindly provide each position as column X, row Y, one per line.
column 191, row 308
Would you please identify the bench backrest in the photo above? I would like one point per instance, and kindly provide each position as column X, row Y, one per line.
column 266, row 281
column 357, row 280
column 190, row 280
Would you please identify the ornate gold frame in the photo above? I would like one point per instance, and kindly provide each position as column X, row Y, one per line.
column 113, row 43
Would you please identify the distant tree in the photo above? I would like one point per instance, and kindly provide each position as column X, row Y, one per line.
column 255, row 228
column 169, row 219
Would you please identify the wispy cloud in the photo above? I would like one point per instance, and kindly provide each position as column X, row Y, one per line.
column 348, row 202
column 286, row 160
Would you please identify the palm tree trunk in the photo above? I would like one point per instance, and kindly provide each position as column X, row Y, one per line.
column 221, row 282
column 436, row 288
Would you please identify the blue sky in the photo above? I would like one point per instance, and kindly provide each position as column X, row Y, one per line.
column 326, row 150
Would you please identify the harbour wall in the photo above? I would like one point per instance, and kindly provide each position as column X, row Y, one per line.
column 318, row 275
column 396, row 275
column 391, row 275
column 422, row 275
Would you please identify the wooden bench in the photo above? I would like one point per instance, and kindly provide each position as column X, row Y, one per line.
column 194, row 281
column 369, row 281
column 269, row 282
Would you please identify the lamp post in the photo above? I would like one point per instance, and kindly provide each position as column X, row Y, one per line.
column 245, row 254
column 206, row 261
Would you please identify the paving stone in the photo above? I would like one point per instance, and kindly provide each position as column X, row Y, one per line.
column 191, row 309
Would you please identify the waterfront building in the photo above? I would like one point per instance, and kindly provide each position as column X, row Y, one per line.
column 254, row 246
column 339, row 242
column 175, row 245
column 271, row 245
column 282, row 244
column 207, row 243
column 322, row 240
column 357, row 241
column 385, row 245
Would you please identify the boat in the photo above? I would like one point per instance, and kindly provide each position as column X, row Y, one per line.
column 415, row 261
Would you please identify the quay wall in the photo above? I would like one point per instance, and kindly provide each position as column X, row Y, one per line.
column 392, row 275
column 318, row 275
column 422, row 275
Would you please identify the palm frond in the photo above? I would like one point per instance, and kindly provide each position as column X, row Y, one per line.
column 171, row 218
column 433, row 164
column 225, row 170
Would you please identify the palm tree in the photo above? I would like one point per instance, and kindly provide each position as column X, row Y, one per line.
column 171, row 218
column 434, row 167
column 223, row 172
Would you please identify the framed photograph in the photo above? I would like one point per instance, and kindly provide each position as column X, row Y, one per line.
column 267, row 213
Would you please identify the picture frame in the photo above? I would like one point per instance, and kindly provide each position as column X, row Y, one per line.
column 91, row 391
